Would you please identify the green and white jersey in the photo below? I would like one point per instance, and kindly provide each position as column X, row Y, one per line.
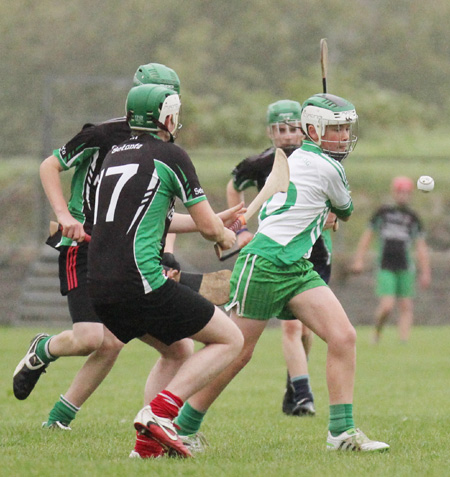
column 291, row 222
column 134, row 206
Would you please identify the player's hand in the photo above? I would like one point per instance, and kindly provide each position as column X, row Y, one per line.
column 230, row 215
column 169, row 261
column 71, row 228
column 331, row 222
column 424, row 279
column 357, row 267
column 229, row 238
column 243, row 238
column 172, row 274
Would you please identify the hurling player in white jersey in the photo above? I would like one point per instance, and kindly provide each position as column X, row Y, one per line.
column 283, row 121
column 273, row 278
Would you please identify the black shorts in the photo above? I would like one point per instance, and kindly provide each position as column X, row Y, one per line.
column 323, row 269
column 80, row 306
column 72, row 267
column 169, row 314
column 73, row 283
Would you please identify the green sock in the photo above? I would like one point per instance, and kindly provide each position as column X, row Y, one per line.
column 63, row 411
column 43, row 352
column 341, row 418
column 189, row 420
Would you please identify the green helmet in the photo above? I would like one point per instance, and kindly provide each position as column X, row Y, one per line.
column 322, row 110
column 283, row 111
column 155, row 73
column 148, row 106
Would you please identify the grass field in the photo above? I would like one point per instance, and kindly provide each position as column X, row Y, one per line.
column 401, row 397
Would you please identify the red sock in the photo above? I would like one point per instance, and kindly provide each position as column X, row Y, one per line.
column 166, row 405
column 147, row 447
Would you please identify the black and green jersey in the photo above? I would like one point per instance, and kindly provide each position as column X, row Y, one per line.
column 397, row 228
column 85, row 152
column 139, row 182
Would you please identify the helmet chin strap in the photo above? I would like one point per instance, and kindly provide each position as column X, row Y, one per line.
column 163, row 127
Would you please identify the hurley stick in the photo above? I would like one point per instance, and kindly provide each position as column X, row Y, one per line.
column 278, row 181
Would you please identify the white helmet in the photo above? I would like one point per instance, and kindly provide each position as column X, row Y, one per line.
column 322, row 110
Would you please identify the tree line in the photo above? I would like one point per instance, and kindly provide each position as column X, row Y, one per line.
column 233, row 58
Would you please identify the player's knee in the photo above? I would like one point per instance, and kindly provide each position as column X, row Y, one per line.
column 180, row 350
column 246, row 355
column 111, row 344
column 343, row 338
column 348, row 337
column 292, row 329
column 236, row 341
column 90, row 343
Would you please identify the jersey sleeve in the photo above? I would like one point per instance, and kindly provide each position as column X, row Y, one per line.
column 338, row 191
column 253, row 171
column 377, row 218
column 418, row 230
column 80, row 148
column 244, row 176
column 182, row 177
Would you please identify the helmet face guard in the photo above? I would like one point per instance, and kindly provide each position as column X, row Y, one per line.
column 323, row 110
column 284, row 123
column 148, row 107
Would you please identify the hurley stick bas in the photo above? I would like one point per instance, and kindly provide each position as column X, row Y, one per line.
column 324, row 68
column 324, row 62
column 277, row 181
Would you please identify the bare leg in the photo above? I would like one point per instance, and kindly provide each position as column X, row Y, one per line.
column 322, row 312
column 172, row 357
column 251, row 330
column 405, row 319
column 382, row 313
column 293, row 349
column 307, row 339
column 94, row 370
column 223, row 342
column 81, row 340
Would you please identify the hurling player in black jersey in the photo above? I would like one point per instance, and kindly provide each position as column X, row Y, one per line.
column 284, row 130
column 83, row 154
column 138, row 185
column 400, row 233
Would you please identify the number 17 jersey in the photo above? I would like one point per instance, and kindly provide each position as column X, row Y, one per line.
column 139, row 182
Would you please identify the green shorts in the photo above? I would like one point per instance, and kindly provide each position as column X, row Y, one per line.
column 400, row 284
column 261, row 290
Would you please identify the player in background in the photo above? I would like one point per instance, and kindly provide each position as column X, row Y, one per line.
column 400, row 233
column 84, row 154
column 271, row 277
column 284, row 130
column 138, row 184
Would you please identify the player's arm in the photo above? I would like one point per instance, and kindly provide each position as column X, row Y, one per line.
column 50, row 170
column 184, row 223
column 361, row 250
column 235, row 197
column 169, row 246
column 423, row 261
column 210, row 225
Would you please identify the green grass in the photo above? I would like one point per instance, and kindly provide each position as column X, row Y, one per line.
column 401, row 396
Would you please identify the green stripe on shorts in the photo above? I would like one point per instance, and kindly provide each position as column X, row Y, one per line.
column 261, row 290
